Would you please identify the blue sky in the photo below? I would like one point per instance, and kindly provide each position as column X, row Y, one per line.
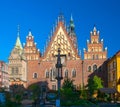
column 40, row 16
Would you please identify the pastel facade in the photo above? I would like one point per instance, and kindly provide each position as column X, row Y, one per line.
column 17, row 65
column 4, row 77
column 114, row 72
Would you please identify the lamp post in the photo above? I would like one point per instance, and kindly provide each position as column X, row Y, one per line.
column 58, row 76
column 82, row 75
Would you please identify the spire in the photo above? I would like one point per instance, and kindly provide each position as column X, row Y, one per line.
column 94, row 30
column 30, row 33
column 72, row 22
column 60, row 17
column 71, row 27
column 18, row 33
column 71, row 18
column 18, row 44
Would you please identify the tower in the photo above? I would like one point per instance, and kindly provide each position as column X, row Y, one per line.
column 17, row 64
column 33, row 56
column 95, row 54
column 71, row 32
column 30, row 50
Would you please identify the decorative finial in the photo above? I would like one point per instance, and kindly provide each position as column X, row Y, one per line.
column 60, row 17
column 98, row 32
column 30, row 34
column 18, row 33
column 84, row 49
column 51, row 32
column 49, row 38
column 87, row 41
column 80, row 52
column 106, row 48
column 56, row 24
column 94, row 29
column 53, row 28
column 44, row 49
column 71, row 18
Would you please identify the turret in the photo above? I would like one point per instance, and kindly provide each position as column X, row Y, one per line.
column 71, row 32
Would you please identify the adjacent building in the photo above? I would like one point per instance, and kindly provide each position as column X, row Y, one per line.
column 114, row 71
column 4, row 77
column 17, row 65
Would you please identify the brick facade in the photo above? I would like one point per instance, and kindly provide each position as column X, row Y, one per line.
column 41, row 67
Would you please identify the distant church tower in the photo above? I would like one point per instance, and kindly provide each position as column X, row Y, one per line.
column 95, row 54
column 17, row 64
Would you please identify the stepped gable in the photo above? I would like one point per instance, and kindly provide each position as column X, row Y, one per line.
column 61, row 39
column 30, row 49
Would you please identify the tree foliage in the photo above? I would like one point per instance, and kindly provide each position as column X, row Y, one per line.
column 68, row 91
column 35, row 89
column 94, row 84
column 68, row 83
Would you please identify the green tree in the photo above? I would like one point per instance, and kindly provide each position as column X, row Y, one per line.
column 68, row 83
column 94, row 84
column 68, row 92
column 35, row 89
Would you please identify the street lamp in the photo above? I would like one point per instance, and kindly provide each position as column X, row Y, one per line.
column 82, row 74
column 58, row 76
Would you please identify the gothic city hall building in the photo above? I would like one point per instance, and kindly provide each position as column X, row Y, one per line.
column 28, row 66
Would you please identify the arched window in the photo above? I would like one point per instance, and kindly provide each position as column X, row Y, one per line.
column 89, row 68
column 16, row 70
column 52, row 74
column 66, row 74
column 74, row 73
column 47, row 74
column 35, row 75
column 93, row 57
column 94, row 67
column 12, row 71
column 96, row 56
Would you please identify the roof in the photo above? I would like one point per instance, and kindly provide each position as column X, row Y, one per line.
column 108, row 90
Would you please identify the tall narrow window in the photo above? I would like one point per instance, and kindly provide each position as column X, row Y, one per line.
column 66, row 74
column 74, row 73
column 53, row 87
column 93, row 57
column 16, row 70
column 12, row 71
column 35, row 75
column 89, row 68
column 47, row 74
column 94, row 67
column 96, row 56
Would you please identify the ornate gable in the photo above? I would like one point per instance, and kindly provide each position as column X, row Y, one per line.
column 30, row 49
column 61, row 39
column 15, row 54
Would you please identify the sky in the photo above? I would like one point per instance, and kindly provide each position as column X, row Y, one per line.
column 40, row 16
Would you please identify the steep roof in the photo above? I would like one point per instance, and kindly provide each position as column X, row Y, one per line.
column 18, row 44
column 60, row 37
